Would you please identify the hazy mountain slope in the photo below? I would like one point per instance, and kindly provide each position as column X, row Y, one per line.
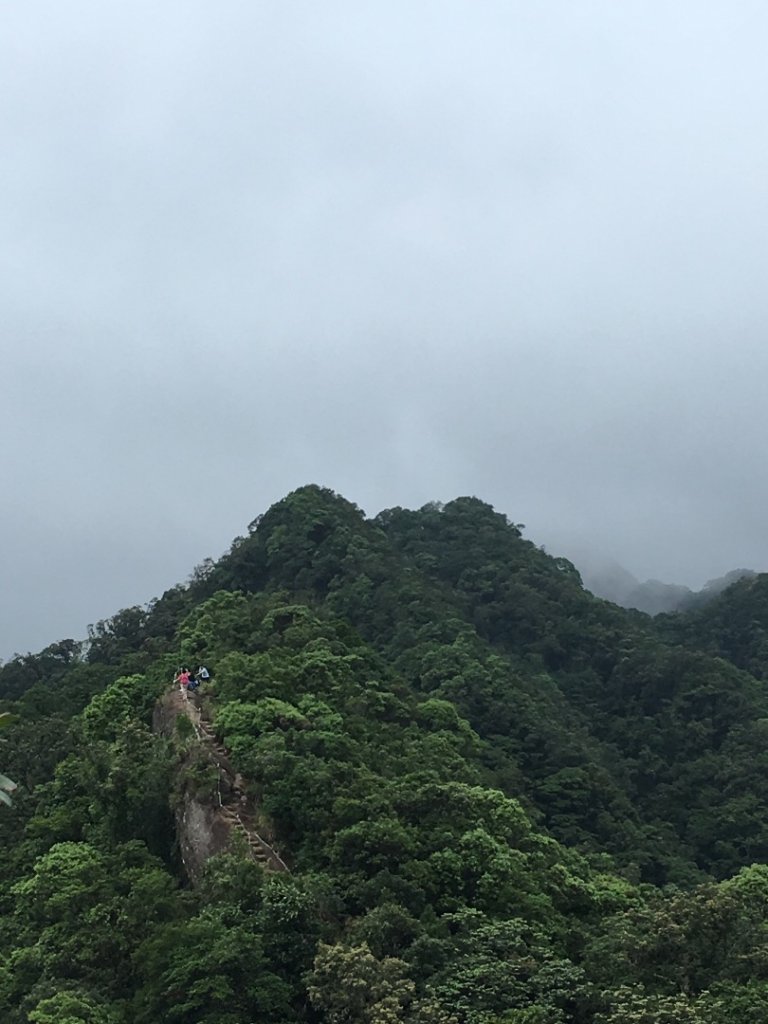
column 612, row 582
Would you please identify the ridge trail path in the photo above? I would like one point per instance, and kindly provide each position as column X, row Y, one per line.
column 234, row 806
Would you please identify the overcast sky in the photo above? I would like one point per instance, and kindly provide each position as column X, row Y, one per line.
column 405, row 250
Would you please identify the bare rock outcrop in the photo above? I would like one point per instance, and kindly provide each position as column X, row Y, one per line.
column 218, row 820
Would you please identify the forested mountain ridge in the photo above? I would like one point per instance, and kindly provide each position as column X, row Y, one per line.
column 733, row 626
column 486, row 781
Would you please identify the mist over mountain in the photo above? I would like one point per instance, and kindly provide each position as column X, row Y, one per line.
column 608, row 579
column 417, row 250
column 384, row 760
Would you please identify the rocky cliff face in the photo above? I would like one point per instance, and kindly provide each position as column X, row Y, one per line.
column 201, row 831
column 202, row 834
column 218, row 819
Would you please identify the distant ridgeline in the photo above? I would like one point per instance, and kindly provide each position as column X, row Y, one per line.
column 612, row 582
column 502, row 799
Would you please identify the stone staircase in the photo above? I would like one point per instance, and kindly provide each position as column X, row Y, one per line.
column 244, row 827
column 232, row 798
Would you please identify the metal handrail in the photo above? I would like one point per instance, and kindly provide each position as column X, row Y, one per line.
column 200, row 730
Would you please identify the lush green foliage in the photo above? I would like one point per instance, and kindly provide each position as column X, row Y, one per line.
column 502, row 800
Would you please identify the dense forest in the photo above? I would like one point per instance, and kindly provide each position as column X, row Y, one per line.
column 500, row 799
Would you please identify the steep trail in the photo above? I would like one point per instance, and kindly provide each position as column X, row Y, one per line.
column 233, row 805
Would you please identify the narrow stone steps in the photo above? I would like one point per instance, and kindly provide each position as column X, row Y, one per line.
column 233, row 814
column 237, row 822
column 255, row 847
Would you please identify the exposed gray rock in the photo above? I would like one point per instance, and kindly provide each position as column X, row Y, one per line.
column 217, row 822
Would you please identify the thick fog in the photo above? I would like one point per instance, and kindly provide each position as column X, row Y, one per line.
column 407, row 251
